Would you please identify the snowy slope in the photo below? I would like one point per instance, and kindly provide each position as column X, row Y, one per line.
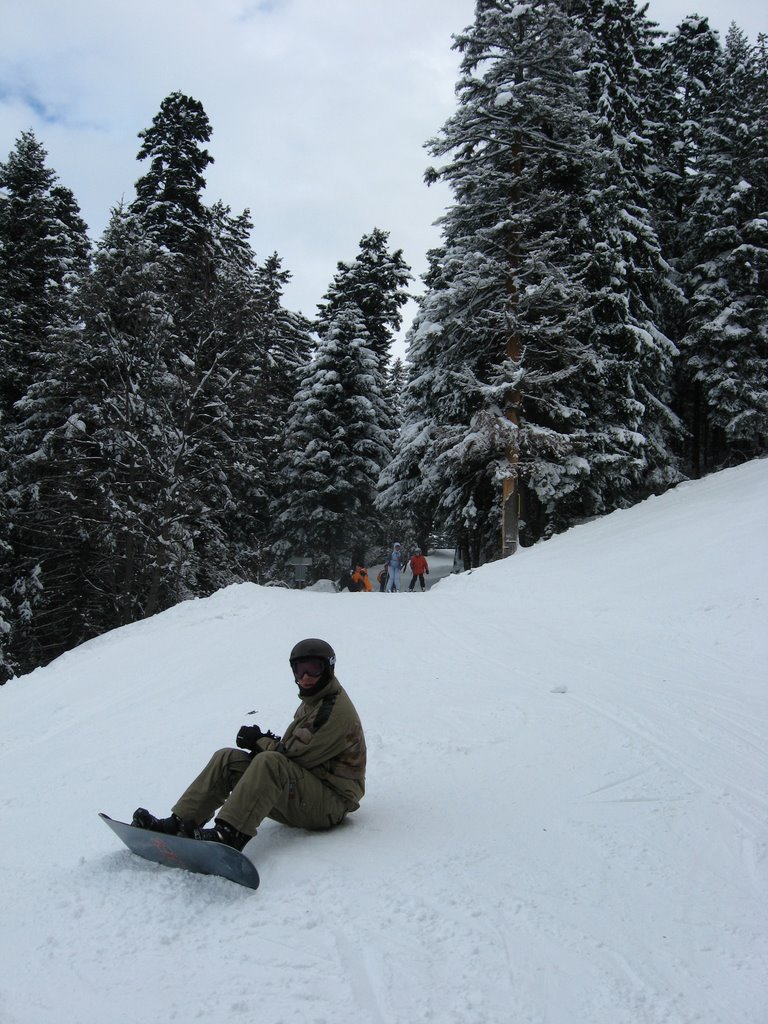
column 566, row 817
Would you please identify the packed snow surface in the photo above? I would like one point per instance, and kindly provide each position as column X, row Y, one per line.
column 565, row 822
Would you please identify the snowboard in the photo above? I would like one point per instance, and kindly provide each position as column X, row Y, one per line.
column 197, row 855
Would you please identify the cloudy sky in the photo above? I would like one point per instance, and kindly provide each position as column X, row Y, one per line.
column 319, row 108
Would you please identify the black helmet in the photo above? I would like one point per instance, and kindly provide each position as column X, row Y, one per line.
column 314, row 648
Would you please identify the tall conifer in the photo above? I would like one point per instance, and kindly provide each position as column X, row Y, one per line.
column 725, row 349
column 375, row 281
column 43, row 244
column 498, row 347
column 335, row 448
column 43, row 247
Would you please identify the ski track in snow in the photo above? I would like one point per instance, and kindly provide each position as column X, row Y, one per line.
column 565, row 821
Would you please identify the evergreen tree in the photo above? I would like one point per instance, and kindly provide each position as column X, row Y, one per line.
column 334, row 450
column 149, row 460
column 375, row 281
column 685, row 82
column 140, row 466
column 623, row 267
column 397, row 376
column 375, row 284
column 43, row 242
column 725, row 394
column 43, row 246
column 396, row 380
column 230, row 547
column 539, row 350
column 497, row 349
column 286, row 344
column 101, row 445
column 143, row 478
column 209, row 292
column 169, row 196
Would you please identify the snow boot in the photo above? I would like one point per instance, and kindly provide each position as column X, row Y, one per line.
column 172, row 826
column 222, row 833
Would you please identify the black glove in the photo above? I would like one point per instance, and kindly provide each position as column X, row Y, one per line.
column 249, row 736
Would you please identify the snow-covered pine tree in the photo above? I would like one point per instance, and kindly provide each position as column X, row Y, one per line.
column 147, row 454
column 43, row 243
column 408, row 493
column 145, row 506
column 725, row 350
column 396, row 378
column 336, row 443
column 43, row 246
column 376, row 281
column 211, row 304
column 230, row 546
column 503, row 378
column 169, row 195
column 396, row 521
column 685, row 82
column 286, row 343
column 101, row 445
column 623, row 268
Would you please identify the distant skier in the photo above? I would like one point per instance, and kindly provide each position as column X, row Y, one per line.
column 360, row 579
column 395, row 563
column 356, row 579
column 311, row 778
column 419, row 567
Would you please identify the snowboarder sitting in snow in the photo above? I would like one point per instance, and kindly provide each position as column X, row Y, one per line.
column 311, row 778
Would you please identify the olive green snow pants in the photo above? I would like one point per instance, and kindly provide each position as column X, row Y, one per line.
column 250, row 788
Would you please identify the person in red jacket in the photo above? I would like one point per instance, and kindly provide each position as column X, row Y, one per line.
column 419, row 568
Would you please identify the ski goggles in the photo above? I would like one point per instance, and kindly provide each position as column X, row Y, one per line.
column 308, row 666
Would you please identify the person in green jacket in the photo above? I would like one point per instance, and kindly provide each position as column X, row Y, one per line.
column 311, row 777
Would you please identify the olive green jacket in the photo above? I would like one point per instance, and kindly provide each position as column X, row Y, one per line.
column 326, row 738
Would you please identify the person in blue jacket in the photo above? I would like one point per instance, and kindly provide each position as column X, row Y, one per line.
column 395, row 563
